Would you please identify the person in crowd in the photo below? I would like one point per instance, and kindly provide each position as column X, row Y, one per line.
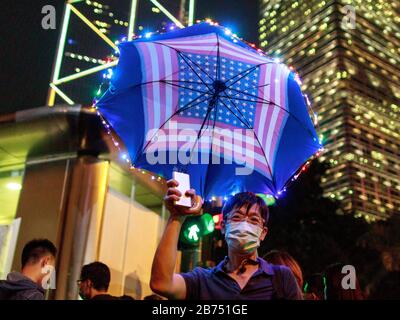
column 283, row 258
column 95, row 281
column 388, row 287
column 334, row 289
column 314, row 287
column 37, row 262
column 242, row 274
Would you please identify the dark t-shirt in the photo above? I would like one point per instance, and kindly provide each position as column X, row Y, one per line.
column 216, row 284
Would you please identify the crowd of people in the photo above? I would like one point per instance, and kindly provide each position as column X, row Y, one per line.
column 241, row 275
column 39, row 256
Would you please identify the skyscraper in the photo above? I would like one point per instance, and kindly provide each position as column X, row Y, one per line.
column 347, row 53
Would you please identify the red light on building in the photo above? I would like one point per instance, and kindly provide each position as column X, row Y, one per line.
column 217, row 218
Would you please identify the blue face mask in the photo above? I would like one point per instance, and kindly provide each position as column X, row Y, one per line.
column 243, row 237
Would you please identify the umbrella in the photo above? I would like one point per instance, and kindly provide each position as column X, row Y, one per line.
column 201, row 101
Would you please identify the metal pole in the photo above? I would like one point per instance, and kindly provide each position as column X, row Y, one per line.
column 62, row 94
column 60, row 53
column 86, row 72
column 132, row 19
column 167, row 13
column 94, row 28
column 191, row 12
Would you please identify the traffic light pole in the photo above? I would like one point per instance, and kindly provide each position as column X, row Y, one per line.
column 191, row 257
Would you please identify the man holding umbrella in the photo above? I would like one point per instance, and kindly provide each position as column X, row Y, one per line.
column 241, row 275
column 207, row 83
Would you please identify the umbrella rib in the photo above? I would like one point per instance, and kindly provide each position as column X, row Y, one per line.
column 181, row 54
column 249, row 70
column 258, row 99
column 134, row 86
column 255, row 135
column 263, row 101
column 211, row 146
column 200, row 132
column 247, row 124
column 242, row 99
column 177, row 85
column 262, row 85
column 201, row 69
column 259, row 87
column 242, row 76
column 184, row 81
column 155, row 81
column 254, row 96
column 218, row 66
column 185, row 107
column 204, row 121
column 184, row 58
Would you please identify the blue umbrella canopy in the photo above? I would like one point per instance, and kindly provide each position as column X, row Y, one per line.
column 201, row 101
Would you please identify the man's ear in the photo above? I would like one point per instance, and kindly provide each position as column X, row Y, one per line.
column 89, row 283
column 45, row 261
column 264, row 233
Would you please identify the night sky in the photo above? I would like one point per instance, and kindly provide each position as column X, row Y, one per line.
column 27, row 51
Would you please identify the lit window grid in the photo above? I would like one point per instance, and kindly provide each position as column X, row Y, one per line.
column 366, row 141
column 389, row 183
column 362, row 198
column 304, row 28
column 345, row 95
column 379, row 14
column 387, row 113
column 275, row 38
column 372, row 62
column 310, row 9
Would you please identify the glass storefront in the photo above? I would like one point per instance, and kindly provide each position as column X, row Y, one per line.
column 10, row 188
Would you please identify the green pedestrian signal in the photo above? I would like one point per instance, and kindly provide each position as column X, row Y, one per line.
column 195, row 227
column 194, row 233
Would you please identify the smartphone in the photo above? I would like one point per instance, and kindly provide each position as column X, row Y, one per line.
column 184, row 185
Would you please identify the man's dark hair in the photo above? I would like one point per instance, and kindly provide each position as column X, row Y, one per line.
column 247, row 199
column 98, row 273
column 36, row 249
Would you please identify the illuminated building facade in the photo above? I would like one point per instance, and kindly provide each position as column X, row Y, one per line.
column 348, row 55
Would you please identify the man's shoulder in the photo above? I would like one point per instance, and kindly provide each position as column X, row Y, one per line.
column 200, row 271
column 28, row 294
column 199, row 274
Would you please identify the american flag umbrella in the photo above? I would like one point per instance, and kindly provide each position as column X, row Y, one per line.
column 201, row 101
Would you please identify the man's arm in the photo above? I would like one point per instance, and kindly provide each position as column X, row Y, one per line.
column 163, row 279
